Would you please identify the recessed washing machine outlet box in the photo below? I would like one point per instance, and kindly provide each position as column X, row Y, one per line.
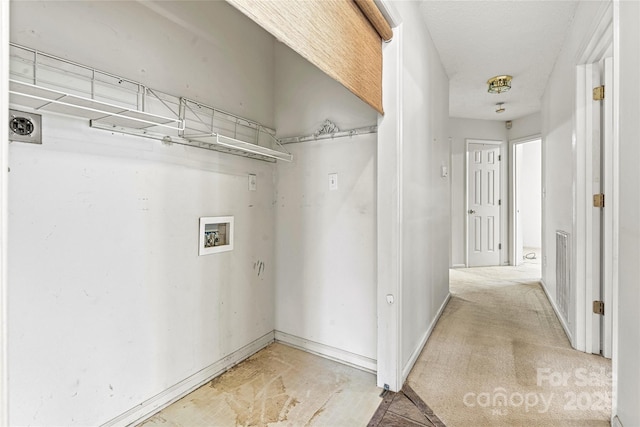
column 25, row 127
column 216, row 234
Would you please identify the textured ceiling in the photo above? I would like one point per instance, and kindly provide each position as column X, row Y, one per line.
column 481, row 39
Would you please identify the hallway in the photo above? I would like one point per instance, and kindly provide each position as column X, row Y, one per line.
column 499, row 356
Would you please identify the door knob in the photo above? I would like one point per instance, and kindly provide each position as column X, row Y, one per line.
column 471, row 211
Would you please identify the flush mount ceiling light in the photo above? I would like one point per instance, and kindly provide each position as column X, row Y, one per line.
column 499, row 84
column 500, row 107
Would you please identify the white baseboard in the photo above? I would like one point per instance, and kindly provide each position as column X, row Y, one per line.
column 563, row 322
column 151, row 406
column 615, row 422
column 355, row 360
column 423, row 341
column 458, row 266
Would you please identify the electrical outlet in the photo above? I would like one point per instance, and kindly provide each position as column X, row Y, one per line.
column 253, row 182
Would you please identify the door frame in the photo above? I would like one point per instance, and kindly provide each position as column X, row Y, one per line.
column 513, row 192
column 4, row 151
column 598, row 46
column 389, row 223
column 503, row 194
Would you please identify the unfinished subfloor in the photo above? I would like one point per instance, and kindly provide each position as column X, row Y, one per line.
column 278, row 386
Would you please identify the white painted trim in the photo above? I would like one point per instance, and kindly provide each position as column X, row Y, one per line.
column 389, row 226
column 526, row 139
column 399, row 225
column 4, row 161
column 579, row 229
column 160, row 401
column 328, row 352
column 615, row 208
column 595, row 47
column 563, row 323
column 451, row 202
column 423, row 341
column 610, row 172
column 591, row 218
column 505, row 199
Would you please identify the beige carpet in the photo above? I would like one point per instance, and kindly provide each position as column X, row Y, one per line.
column 278, row 386
column 499, row 357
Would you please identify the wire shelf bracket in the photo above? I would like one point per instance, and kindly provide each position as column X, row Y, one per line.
column 329, row 130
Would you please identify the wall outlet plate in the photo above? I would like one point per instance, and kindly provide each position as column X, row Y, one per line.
column 333, row 181
column 25, row 127
column 253, row 182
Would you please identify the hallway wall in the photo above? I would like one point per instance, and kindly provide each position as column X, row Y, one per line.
column 109, row 302
column 461, row 129
column 627, row 388
column 525, row 126
column 413, row 208
column 559, row 158
column 425, row 193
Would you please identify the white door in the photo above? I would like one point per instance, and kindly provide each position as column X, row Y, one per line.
column 606, row 285
column 483, row 204
column 594, row 145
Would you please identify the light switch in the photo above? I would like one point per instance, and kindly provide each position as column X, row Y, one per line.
column 333, row 181
column 444, row 171
column 253, row 182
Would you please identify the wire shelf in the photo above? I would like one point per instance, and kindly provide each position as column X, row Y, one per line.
column 46, row 83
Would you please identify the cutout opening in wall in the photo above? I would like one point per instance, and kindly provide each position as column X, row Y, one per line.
column 216, row 234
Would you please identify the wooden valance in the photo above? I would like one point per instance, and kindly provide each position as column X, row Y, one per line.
column 334, row 35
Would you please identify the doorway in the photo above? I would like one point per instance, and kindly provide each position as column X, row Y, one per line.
column 527, row 200
column 595, row 260
column 596, row 197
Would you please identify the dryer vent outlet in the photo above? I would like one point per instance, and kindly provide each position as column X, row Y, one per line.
column 25, row 127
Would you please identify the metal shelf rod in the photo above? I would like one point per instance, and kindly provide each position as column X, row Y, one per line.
column 341, row 134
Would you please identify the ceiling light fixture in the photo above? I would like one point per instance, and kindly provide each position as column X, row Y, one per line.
column 500, row 107
column 499, row 84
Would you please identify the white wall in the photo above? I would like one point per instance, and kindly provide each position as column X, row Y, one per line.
column 325, row 240
column 413, row 212
column 4, row 159
column 530, row 194
column 460, row 130
column 627, row 388
column 109, row 302
column 425, row 197
column 525, row 126
column 205, row 51
column 558, row 155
